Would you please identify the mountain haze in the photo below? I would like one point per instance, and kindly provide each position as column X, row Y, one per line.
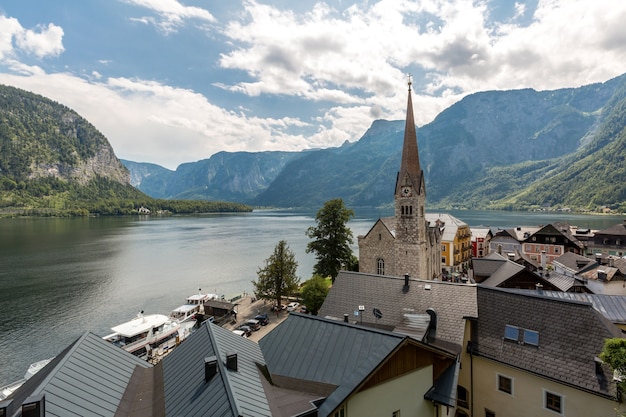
column 518, row 149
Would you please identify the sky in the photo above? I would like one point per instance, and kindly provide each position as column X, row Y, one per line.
column 176, row 81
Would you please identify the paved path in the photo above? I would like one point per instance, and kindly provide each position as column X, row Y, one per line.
column 247, row 309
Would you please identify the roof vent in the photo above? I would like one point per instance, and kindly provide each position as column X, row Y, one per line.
column 34, row 406
column 231, row 361
column 210, row 368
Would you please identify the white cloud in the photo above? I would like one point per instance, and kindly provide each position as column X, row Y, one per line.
column 172, row 14
column 349, row 64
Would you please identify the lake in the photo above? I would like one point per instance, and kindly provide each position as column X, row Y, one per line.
column 62, row 277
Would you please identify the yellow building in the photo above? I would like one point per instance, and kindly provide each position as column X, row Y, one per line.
column 456, row 243
column 532, row 355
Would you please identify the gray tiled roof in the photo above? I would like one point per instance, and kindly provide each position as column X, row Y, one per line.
column 571, row 335
column 563, row 282
column 229, row 393
column 452, row 302
column 88, row 378
column 507, row 270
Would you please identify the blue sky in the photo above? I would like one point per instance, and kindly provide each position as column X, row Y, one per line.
column 174, row 81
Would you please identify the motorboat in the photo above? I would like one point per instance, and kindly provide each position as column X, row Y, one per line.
column 185, row 313
column 141, row 335
column 35, row 367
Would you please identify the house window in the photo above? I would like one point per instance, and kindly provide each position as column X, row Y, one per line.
column 554, row 402
column 443, row 248
column 443, row 260
column 380, row 268
column 511, row 332
column 489, row 413
column 462, row 397
column 341, row 412
column 531, row 337
column 505, row 384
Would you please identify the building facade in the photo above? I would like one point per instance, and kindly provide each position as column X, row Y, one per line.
column 407, row 243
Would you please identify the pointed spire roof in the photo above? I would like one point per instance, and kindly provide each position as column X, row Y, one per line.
column 410, row 156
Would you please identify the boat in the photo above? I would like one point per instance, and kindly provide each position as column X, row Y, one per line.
column 185, row 313
column 35, row 367
column 145, row 333
column 194, row 305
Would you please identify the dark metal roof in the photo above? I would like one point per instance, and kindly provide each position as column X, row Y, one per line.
column 612, row 307
column 327, row 352
column 88, row 378
column 229, row 392
column 444, row 390
column 571, row 334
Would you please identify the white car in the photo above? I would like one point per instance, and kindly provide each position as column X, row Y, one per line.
column 292, row 306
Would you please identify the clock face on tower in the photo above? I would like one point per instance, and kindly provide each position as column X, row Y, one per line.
column 406, row 191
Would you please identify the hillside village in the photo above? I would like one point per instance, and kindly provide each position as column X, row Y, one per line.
column 441, row 320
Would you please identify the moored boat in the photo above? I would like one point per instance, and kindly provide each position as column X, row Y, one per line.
column 144, row 333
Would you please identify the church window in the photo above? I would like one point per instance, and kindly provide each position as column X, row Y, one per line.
column 411, row 210
column 381, row 266
column 380, row 236
column 422, row 211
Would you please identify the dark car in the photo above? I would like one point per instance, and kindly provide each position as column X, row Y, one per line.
column 246, row 329
column 253, row 324
column 262, row 318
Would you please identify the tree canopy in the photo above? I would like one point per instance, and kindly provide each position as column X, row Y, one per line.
column 331, row 239
column 614, row 353
column 277, row 278
column 314, row 292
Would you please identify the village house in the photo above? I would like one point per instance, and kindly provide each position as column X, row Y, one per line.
column 481, row 239
column 456, row 243
column 529, row 354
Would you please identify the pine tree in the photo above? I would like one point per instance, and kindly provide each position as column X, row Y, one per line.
column 331, row 239
column 278, row 278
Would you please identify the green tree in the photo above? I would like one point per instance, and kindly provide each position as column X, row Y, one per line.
column 278, row 277
column 314, row 292
column 331, row 239
column 614, row 353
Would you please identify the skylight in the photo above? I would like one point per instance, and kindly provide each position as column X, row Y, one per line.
column 511, row 332
column 528, row 337
column 531, row 337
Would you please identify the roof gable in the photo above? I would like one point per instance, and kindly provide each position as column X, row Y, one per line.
column 228, row 393
column 88, row 378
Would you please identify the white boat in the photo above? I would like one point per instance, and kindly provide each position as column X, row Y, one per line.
column 7, row 390
column 185, row 313
column 145, row 333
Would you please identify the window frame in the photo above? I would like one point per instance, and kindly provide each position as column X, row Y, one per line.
column 548, row 402
column 502, row 388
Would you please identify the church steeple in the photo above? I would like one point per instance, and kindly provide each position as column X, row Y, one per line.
column 410, row 165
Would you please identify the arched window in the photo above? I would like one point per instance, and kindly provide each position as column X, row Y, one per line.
column 462, row 397
column 380, row 268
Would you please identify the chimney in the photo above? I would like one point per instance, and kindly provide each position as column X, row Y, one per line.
column 431, row 334
column 499, row 249
column 405, row 289
column 210, row 368
column 543, row 260
column 231, row 361
column 34, row 406
column 539, row 287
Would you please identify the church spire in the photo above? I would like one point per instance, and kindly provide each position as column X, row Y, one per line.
column 410, row 156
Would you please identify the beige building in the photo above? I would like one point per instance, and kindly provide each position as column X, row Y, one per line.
column 406, row 244
column 532, row 355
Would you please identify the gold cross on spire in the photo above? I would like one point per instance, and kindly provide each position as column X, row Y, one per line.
column 409, row 76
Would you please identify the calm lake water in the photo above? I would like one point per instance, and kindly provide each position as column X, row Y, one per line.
column 62, row 277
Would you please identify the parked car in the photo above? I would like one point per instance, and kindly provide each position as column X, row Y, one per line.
column 246, row 329
column 240, row 333
column 263, row 319
column 253, row 324
column 304, row 310
column 292, row 306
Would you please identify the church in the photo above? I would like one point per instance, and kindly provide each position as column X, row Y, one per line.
column 406, row 244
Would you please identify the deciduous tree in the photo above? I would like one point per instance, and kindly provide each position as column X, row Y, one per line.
column 278, row 277
column 314, row 292
column 331, row 239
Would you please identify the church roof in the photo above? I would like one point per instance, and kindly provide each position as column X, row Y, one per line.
column 410, row 164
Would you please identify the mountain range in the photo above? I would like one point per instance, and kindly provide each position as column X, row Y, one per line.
column 517, row 149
